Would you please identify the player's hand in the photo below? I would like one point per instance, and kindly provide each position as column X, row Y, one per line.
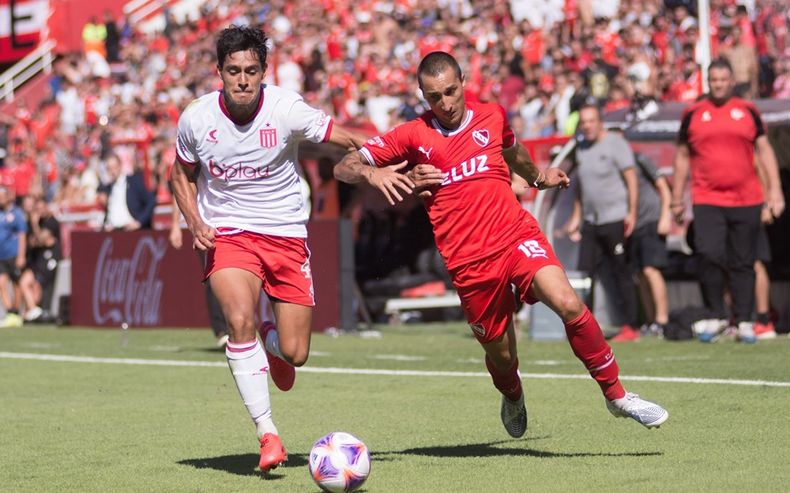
column 203, row 237
column 555, row 178
column 629, row 223
column 677, row 208
column 20, row 263
column 176, row 236
column 776, row 202
column 424, row 177
column 391, row 182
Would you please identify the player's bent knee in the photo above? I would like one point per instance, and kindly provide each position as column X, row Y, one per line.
column 297, row 359
column 569, row 306
column 295, row 354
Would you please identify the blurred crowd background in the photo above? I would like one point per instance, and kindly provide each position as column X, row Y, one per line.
column 122, row 94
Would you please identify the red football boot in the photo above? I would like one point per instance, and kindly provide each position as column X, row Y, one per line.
column 283, row 374
column 627, row 334
column 272, row 452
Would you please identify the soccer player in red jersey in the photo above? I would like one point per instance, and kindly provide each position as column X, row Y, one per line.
column 458, row 156
column 236, row 184
column 717, row 139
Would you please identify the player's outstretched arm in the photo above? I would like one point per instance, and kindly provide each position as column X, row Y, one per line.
column 517, row 159
column 183, row 181
column 388, row 180
column 349, row 139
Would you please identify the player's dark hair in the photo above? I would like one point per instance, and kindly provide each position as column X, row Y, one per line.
column 435, row 63
column 241, row 38
column 720, row 63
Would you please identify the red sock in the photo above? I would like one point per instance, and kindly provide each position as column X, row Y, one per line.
column 509, row 383
column 588, row 344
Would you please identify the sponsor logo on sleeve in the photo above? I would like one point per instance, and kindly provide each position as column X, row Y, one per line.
column 376, row 141
column 322, row 119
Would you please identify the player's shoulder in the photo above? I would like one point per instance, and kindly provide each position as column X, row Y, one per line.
column 486, row 108
column 199, row 110
column 202, row 102
column 421, row 123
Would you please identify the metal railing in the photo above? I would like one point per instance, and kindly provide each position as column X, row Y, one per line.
column 25, row 69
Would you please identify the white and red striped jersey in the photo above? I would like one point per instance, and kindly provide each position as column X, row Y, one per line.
column 248, row 178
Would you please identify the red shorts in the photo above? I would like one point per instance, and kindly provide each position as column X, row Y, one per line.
column 282, row 263
column 484, row 285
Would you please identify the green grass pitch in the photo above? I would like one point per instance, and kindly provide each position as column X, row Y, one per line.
column 111, row 426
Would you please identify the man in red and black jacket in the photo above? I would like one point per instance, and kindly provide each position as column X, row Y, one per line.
column 717, row 139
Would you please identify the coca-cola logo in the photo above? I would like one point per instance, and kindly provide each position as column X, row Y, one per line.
column 129, row 289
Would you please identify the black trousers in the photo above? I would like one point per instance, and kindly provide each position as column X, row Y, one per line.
column 607, row 241
column 726, row 240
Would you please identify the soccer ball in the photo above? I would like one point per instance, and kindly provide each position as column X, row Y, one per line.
column 339, row 462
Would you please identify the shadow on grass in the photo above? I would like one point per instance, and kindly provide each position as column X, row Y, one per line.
column 243, row 464
column 492, row 449
column 246, row 464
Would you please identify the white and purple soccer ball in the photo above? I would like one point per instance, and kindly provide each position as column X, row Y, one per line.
column 339, row 462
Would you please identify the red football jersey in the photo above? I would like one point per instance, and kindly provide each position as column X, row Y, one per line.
column 721, row 148
column 474, row 212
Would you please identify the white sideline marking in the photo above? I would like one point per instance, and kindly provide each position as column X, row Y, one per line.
column 397, row 357
column 360, row 371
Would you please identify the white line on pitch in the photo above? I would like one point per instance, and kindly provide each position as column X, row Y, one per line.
column 397, row 357
column 370, row 371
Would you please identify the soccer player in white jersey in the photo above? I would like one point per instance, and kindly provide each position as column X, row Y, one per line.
column 460, row 154
column 236, row 184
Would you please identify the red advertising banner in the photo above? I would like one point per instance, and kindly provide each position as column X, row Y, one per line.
column 21, row 25
column 138, row 278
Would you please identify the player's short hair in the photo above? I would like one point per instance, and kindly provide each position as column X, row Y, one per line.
column 435, row 62
column 720, row 63
column 241, row 38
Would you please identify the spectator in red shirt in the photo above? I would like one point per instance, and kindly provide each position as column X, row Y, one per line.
column 717, row 139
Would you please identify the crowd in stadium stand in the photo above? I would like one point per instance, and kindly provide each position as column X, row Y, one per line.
column 122, row 95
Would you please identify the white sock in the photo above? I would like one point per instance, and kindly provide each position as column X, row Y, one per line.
column 272, row 343
column 250, row 369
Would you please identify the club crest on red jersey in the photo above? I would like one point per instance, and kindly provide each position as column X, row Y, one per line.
column 268, row 138
column 480, row 137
